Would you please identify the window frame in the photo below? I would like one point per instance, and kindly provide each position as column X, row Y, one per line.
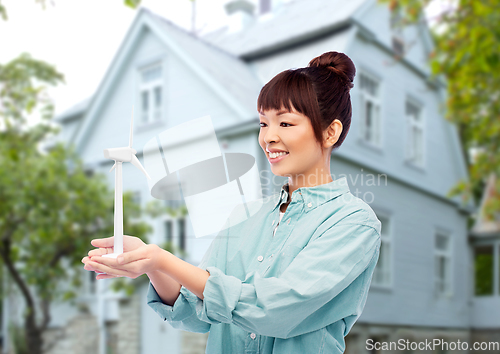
column 495, row 244
column 150, row 88
column 376, row 101
column 411, row 122
column 448, row 292
column 387, row 241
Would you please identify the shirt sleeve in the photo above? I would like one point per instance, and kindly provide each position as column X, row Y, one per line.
column 313, row 292
column 183, row 314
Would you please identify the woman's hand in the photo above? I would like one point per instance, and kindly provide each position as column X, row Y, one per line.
column 105, row 245
column 142, row 260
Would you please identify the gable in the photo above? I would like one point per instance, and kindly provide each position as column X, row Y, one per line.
column 185, row 96
column 211, row 66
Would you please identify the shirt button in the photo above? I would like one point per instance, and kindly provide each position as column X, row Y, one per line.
column 288, row 222
column 260, row 258
column 272, row 223
column 309, row 205
column 253, row 335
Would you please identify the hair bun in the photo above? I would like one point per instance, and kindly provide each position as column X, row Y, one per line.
column 339, row 63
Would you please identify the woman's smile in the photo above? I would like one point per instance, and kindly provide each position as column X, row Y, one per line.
column 277, row 158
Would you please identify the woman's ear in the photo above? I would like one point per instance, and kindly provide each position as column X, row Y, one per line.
column 332, row 133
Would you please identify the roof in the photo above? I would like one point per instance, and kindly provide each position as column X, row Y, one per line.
column 221, row 65
column 292, row 22
column 74, row 110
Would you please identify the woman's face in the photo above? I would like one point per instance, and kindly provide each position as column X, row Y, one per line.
column 291, row 132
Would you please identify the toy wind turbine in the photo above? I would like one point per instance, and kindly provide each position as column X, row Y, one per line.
column 121, row 155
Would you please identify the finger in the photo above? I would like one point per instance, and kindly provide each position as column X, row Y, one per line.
column 107, row 261
column 101, row 268
column 103, row 242
column 100, row 251
column 106, row 276
column 88, row 267
column 132, row 256
column 85, row 259
column 137, row 267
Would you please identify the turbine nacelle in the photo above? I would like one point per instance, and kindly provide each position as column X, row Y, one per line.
column 123, row 154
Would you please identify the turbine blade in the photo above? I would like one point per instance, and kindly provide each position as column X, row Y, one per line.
column 112, row 168
column 135, row 161
column 131, row 129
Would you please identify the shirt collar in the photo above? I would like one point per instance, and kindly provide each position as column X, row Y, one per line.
column 316, row 195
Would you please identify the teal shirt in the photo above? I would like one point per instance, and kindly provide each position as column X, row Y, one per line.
column 299, row 291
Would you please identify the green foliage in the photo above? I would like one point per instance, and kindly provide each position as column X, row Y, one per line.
column 132, row 3
column 52, row 207
column 467, row 54
column 22, row 87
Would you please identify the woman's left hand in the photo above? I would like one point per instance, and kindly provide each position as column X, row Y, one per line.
column 144, row 259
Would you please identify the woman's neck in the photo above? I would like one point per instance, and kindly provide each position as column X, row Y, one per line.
column 297, row 182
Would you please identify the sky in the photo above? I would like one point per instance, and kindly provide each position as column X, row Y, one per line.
column 81, row 37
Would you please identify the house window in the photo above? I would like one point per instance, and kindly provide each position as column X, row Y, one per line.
column 442, row 264
column 169, row 231
column 91, row 282
column 483, row 270
column 415, row 141
column 182, row 233
column 370, row 108
column 382, row 272
column 151, row 94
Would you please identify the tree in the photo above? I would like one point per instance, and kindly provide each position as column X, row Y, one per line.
column 467, row 54
column 51, row 206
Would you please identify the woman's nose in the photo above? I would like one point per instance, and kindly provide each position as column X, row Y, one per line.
column 271, row 135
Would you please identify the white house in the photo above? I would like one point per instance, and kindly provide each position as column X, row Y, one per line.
column 401, row 156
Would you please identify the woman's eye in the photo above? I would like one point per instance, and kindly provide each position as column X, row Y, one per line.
column 281, row 123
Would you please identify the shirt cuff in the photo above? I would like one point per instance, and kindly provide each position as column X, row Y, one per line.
column 179, row 311
column 220, row 296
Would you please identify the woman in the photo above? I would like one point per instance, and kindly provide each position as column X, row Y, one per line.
column 296, row 288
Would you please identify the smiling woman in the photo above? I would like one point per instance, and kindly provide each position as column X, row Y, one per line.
column 304, row 114
column 289, row 282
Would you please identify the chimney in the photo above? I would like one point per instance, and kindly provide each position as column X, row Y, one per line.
column 240, row 14
column 265, row 6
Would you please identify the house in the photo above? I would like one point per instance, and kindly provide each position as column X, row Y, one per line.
column 401, row 156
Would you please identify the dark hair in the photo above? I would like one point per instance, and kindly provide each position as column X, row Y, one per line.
column 319, row 91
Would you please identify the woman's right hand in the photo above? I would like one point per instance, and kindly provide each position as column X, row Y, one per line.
column 105, row 246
